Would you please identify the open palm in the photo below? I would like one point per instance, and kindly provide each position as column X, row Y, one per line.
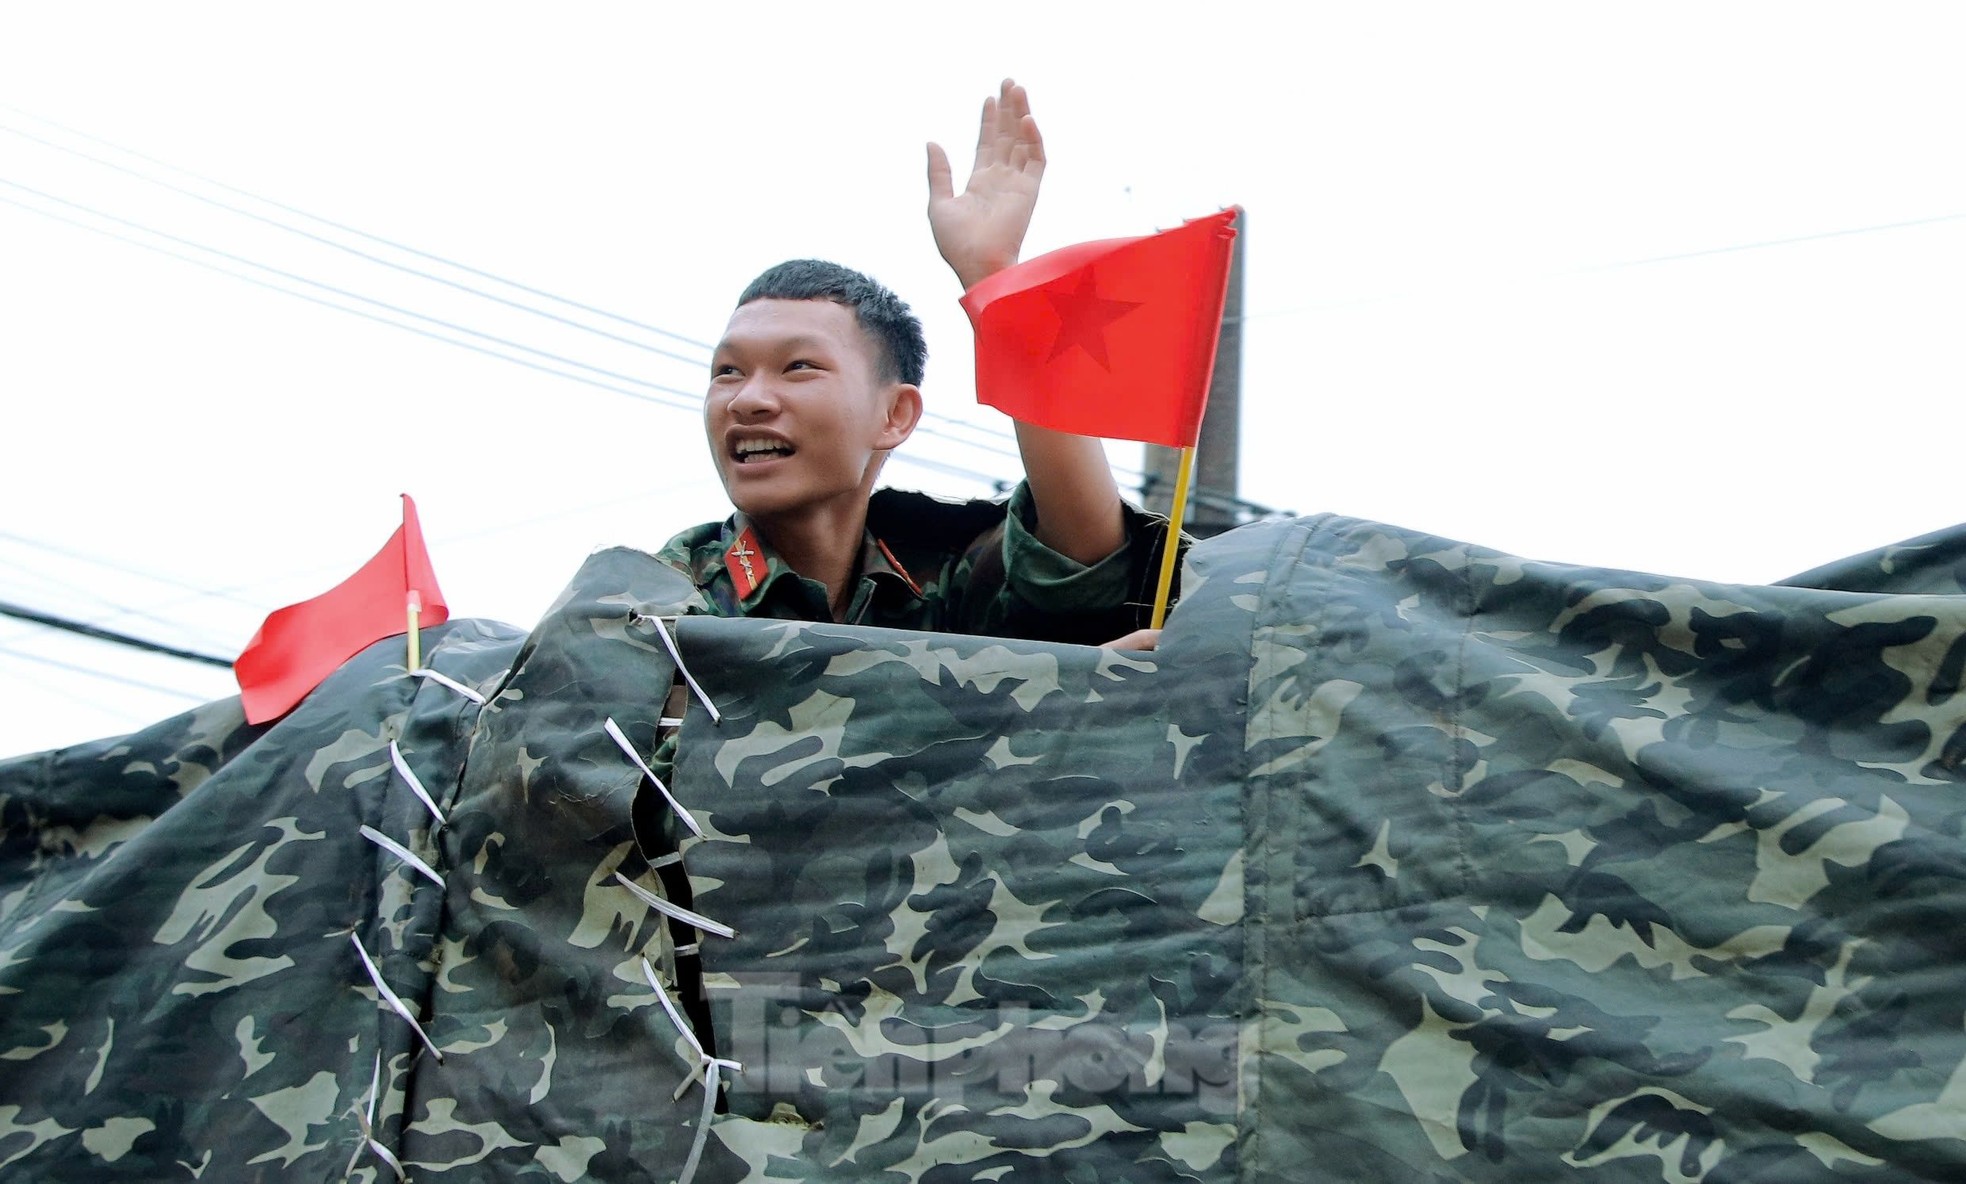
column 981, row 230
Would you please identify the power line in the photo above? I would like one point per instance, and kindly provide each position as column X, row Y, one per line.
column 102, row 674
column 34, row 585
column 1592, row 268
column 510, row 525
column 54, row 549
column 1773, row 242
column 97, row 632
column 360, row 254
column 68, row 588
column 26, row 678
column 288, row 275
column 358, row 312
column 312, row 217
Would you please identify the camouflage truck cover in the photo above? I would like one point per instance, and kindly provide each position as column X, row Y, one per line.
column 1401, row 860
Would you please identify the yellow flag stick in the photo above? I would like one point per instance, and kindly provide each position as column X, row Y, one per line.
column 416, row 642
column 1170, row 551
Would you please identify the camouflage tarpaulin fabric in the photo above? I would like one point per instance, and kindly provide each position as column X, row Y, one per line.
column 181, row 996
column 1568, row 873
column 988, row 897
column 1401, row 859
column 1548, row 873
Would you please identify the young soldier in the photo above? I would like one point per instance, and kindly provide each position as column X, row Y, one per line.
column 818, row 377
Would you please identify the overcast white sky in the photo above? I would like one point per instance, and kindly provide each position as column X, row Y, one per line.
column 1673, row 287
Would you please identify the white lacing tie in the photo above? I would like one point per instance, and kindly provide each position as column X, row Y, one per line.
column 613, row 729
column 684, row 670
column 403, row 767
column 368, row 1124
column 706, row 1069
column 675, row 910
column 453, row 684
column 401, row 852
column 394, row 1001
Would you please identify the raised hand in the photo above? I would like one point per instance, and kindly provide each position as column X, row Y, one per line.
column 981, row 230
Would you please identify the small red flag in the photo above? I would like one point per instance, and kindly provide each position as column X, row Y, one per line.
column 300, row 645
column 1113, row 338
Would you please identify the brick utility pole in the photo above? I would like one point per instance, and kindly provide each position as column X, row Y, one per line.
column 1214, row 486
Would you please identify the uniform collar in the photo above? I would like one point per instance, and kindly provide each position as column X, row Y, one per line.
column 753, row 567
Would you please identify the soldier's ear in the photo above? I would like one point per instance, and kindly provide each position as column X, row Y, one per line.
column 904, row 411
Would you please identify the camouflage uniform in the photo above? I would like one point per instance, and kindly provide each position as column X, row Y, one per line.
column 947, row 567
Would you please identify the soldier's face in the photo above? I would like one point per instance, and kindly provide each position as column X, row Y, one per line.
column 797, row 414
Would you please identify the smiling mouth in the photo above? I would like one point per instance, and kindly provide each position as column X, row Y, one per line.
column 749, row 451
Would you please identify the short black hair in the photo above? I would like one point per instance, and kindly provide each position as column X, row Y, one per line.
column 903, row 351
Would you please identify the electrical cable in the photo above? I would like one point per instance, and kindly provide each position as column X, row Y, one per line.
column 118, row 567
column 103, row 674
column 364, row 315
column 327, row 242
column 23, row 677
column 288, row 275
column 375, row 238
column 67, row 625
column 44, row 587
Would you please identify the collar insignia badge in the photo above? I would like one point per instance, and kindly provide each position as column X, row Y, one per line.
column 746, row 563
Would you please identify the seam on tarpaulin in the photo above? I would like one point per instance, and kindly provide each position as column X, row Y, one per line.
column 429, row 672
column 621, row 741
column 390, row 996
column 462, row 724
column 401, row 765
column 1454, row 825
column 1457, row 730
column 453, row 732
column 671, row 909
column 703, row 1073
column 368, row 1126
column 1257, row 910
column 386, row 1047
column 664, row 913
column 682, row 668
column 403, row 854
column 671, row 709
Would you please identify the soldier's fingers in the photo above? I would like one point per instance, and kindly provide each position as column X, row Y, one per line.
column 940, row 184
column 1030, row 145
column 986, row 134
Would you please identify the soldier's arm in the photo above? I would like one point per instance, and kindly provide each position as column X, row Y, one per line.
column 980, row 232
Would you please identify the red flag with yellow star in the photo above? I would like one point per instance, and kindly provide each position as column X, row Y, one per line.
column 1114, row 338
